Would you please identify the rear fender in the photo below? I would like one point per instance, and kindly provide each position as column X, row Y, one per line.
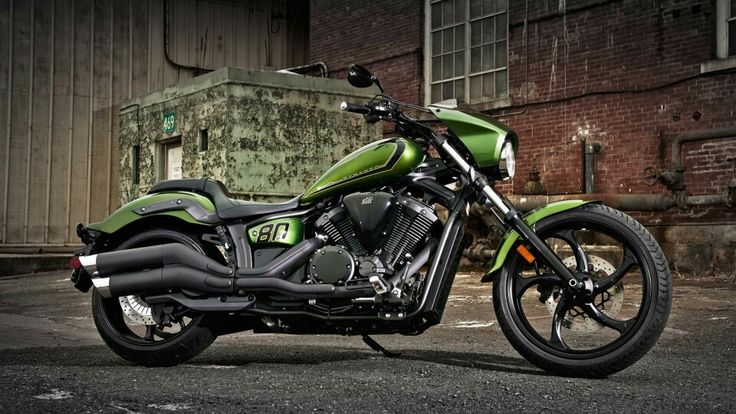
column 530, row 218
column 186, row 206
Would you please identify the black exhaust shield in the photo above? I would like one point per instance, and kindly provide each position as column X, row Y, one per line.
column 153, row 257
column 175, row 267
column 165, row 278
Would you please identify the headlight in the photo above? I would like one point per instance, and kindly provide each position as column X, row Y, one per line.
column 508, row 161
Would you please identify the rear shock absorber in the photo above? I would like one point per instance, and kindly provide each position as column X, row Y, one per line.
column 227, row 244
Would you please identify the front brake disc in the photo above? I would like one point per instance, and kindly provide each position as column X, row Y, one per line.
column 609, row 302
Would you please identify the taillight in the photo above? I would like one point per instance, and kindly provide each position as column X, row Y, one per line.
column 75, row 263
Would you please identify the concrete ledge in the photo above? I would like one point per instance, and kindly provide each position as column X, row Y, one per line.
column 16, row 264
column 248, row 77
column 718, row 64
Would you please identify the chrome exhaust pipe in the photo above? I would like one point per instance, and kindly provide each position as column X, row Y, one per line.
column 89, row 263
column 102, row 286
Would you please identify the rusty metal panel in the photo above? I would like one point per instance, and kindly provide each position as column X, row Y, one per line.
column 249, row 34
column 138, row 47
column 83, row 57
column 19, row 123
column 65, row 68
column 60, row 163
column 38, row 138
column 6, row 17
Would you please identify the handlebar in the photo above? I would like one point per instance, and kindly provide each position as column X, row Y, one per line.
column 389, row 110
column 358, row 109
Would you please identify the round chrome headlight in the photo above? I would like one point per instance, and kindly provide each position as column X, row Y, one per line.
column 507, row 165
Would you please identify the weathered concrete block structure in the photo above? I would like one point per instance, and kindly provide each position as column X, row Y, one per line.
column 266, row 135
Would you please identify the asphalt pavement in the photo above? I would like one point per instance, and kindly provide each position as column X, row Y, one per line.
column 52, row 360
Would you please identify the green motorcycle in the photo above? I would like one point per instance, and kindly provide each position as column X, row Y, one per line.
column 372, row 247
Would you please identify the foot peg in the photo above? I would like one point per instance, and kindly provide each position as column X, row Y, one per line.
column 378, row 348
column 380, row 285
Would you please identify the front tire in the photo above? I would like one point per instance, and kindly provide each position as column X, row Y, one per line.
column 586, row 335
column 140, row 342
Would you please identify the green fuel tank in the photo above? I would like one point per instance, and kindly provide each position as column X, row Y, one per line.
column 376, row 162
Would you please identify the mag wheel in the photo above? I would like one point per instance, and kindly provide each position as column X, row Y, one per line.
column 590, row 333
column 127, row 326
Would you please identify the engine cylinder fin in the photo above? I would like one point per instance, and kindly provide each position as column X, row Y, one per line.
column 347, row 232
column 413, row 222
column 336, row 225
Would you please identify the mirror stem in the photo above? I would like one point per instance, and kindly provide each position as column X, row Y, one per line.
column 377, row 82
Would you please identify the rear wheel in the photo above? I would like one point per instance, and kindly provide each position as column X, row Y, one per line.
column 128, row 327
column 579, row 333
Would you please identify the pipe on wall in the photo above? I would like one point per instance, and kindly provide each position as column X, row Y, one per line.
column 481, row 251
column 590, row 152
column 674, row 177
column 676, row 149
column 625, row 202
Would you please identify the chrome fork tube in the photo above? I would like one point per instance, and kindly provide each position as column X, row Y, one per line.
column 510, row 215
column 474, row 175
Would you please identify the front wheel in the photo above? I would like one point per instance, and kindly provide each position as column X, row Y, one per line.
column 579, row 333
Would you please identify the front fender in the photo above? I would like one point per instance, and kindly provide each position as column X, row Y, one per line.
column 187, row 206
column 530, row 218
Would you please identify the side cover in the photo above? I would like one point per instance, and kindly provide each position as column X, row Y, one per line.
column 190, row 207
column 530, row 219
column 284, row 231
column 377, row 162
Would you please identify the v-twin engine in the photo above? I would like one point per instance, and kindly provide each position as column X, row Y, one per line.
column 370, row 234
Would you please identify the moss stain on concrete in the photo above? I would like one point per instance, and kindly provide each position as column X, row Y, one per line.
column 270, row 135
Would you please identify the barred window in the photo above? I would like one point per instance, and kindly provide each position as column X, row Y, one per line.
column 467, row 48
column 726, row 28
column 732, row 29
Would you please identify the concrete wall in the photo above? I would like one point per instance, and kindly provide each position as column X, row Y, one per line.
column 622, row 73
column 270, row 135
column 65, row 67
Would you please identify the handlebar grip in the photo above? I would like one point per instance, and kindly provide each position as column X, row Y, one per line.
column 358, row 109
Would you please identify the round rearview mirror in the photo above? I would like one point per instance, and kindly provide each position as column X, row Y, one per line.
column 360, row 77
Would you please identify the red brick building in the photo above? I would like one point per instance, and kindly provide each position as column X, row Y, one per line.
column 635, row 76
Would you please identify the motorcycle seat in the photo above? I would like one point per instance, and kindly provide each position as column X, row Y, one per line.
column 226, row 206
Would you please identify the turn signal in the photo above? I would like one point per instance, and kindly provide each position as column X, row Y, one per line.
column 525, row 253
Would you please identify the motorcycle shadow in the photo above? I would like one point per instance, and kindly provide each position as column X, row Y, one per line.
column 485, row 362
column 227, row 355
column 235, row 356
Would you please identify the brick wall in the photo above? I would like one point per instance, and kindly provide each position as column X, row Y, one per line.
column 623, row 73
column 384, row 36
column 634, row 67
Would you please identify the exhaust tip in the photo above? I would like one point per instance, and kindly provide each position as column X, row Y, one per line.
column 102, row 285
column 89, row 263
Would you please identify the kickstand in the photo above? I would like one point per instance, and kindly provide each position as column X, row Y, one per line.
column 378, row 348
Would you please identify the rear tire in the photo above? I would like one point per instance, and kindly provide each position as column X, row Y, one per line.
column 173, row 348
column 636, row 335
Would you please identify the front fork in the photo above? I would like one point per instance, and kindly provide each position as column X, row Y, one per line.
column 510, row 216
